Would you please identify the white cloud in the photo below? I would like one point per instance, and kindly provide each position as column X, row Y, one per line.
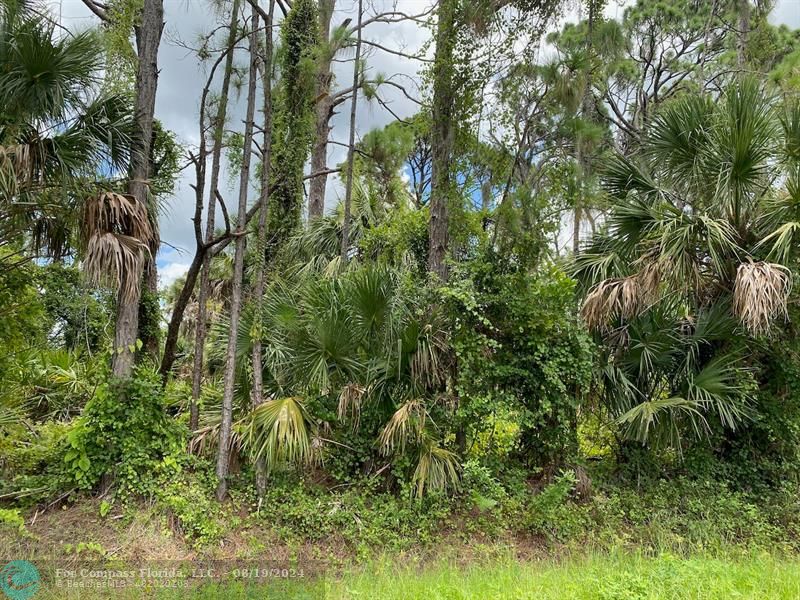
column 169, row 272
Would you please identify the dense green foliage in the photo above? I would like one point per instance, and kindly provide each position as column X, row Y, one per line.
column 293, row 122
column 604, row 356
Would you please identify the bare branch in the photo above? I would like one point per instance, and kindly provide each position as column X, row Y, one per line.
column 98, row 9
column 397, row 52
column 393, row 17
column 323, row 172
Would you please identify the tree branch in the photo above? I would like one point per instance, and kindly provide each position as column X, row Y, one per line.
column 98, row 9
column 396, row 52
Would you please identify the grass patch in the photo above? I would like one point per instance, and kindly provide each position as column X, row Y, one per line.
column 597, row 577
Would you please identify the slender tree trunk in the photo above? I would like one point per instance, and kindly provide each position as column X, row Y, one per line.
column 576, row 220
column 351, row 148
column 323, row 114
column 581, row 157
column 258, row 288
column 148, row 38
column 204, row 251
column 442, row 139
column 216, row 154
column 743, row 29
column 223, row 455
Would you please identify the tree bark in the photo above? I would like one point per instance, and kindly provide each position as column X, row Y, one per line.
column 223, row 455
column 743, row 29
column 216, row 153
column 323, row 114
column 442, row 139
column 351, row 148
column 258, row 288
column 148, row 38
column 581, row 158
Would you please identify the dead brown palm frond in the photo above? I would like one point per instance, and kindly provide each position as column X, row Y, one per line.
column 110, row 258
column 17, row 166
column 204, row 441
column 407, row 422
column 350, row 403
column 612, row 298
column 116, row 234
column 652, row 268
column 109, row 212
column 760, row 293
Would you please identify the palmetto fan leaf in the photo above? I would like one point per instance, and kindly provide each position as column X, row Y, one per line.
column 623, row 176
column 46, row 74
column 407, row 425
column 438, row 469
column 716, row 389
column 743, row 145
column 280, row 432
column 659, row 419
column 678, row 138
column 781, row 242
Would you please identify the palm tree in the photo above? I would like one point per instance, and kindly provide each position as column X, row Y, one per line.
column 58, row 130
column 680, row 284
column 352, row 349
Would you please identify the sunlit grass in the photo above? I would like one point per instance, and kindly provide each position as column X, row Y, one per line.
column 603, row 577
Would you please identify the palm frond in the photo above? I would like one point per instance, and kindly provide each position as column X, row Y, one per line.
column 781, row 242
column 716, row 390
column 406, row 425
column 116, row 213
column 658, row 417
column 437, row 470
column 110, row 260
column 612, row 299
column 280, row 433
column 760, row 293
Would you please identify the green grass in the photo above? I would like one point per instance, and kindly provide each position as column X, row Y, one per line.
column 605, row 578
column 601, row 577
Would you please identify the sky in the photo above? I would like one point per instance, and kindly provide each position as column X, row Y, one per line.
column 182, row 77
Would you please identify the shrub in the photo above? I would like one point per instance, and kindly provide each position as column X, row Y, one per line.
column 522, row 356
column 124, row 432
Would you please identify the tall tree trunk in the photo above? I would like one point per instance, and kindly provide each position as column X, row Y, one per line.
column 581, row 157
column 351, row 148
column 258, row 288
column 148, row 38
column 216, row 154
column 742, row 31
column 205, row 248
column 442, row 139
column 323, row 114
column 223, row 456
